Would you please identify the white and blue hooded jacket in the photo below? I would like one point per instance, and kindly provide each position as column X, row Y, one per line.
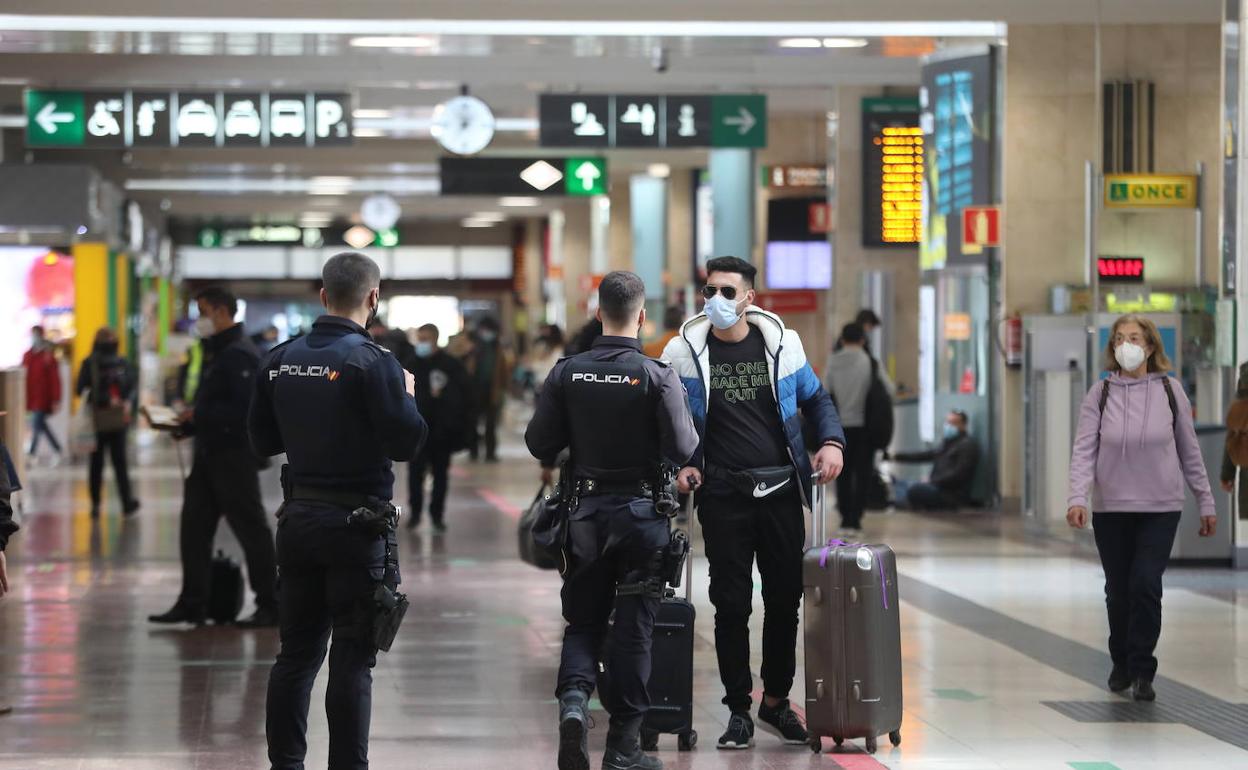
column 794, row 383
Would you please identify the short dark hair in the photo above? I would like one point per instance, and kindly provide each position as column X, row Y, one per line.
column 673, row 317
column 620, row 295
column 489, row 322
column 961, row 415
column 853, row 334
column 733, row 265
column 37, row 330
column 348, row 277
column 867, row 316
column 215, row 296
column 430, row 328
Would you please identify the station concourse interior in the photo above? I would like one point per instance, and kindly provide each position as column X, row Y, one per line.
column 996, row 184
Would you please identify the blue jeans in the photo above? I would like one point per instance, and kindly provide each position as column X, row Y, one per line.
column 39, row 427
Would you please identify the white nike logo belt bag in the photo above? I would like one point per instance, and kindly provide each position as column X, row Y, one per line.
column 757, row 483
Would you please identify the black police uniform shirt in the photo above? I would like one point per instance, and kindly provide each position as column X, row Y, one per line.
column 742, row 420
column 619, row 423
column 335, row 402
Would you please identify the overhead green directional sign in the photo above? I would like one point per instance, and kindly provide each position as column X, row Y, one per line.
column 738, row 120
column 586, row 176
column 55, row 119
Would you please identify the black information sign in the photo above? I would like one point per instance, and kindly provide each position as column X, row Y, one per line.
column 243, row 122
column 574, row 120
column 150, row 118
column 105, row 113
column 688, row 121
column 638, row 121
column 197, row 122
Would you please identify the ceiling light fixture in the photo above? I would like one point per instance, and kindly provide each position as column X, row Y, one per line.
column 659, row 170
column 844, row 42
column 397, row 41
column 367, row 133
column 470, row 222
column 517, row 201
column 364, row 114
column 388, row 30
column 801, row 42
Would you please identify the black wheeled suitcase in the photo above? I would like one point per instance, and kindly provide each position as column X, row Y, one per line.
column 225, row 593
column 671, row 666
column 853, row 639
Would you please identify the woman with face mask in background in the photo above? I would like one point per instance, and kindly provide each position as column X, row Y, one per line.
column 1135, row 447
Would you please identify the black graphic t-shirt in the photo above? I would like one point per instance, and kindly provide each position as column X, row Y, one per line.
column 743, row 427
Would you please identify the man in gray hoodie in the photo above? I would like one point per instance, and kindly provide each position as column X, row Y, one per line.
column 848, row 379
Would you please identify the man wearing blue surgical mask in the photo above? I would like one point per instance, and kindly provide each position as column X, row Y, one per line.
column 441, row 388
column 953, row 469
column 749, row 387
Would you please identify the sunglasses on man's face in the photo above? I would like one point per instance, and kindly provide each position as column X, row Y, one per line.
column 729, row 292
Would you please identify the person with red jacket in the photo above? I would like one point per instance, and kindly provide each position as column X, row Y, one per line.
column 43, row 388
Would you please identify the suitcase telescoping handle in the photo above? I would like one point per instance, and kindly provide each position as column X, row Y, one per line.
column 819, row 525
column 691, row 523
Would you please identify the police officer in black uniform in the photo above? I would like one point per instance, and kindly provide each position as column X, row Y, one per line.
column 342, row 409
column 623, row 416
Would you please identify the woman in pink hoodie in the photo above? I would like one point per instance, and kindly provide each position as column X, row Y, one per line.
column 1135, row 446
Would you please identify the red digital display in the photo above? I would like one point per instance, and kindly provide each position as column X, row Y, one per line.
column 1121, row 269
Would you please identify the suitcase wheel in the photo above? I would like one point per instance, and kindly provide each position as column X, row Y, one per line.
column 838, row 740
column 686, row 741
column 895, row 737
column 816, row 744
column 872, row 745
column 650, row 740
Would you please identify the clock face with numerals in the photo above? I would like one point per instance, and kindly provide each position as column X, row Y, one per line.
column 464, row 125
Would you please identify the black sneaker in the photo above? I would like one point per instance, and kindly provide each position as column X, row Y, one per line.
column 783, row 721
column 740, row 733
column 131, row 508
column 638, row 760
column 573, row 732
column 1119, row 679
column 1143, row 690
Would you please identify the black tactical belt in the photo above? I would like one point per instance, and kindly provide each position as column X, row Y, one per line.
column 332, row 496
column 594, row 488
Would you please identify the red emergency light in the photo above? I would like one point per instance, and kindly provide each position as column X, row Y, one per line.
column 1121, row 269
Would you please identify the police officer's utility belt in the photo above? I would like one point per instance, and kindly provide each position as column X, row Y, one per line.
column 341, row 497
column 596, row 488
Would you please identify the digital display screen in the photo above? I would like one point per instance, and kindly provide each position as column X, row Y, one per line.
column 958, row 109
column 892, row 173
column 799, row 265
column 1121, row 269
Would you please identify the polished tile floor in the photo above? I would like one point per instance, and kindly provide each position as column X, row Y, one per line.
column 1002, row 646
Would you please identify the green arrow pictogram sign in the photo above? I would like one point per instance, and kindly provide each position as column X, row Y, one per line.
column 585, row 176
column 55, row 119
column 739, row 120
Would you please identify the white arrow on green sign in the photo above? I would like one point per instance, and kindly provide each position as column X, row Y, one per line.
column 55, row 119
column 739, row 120
column 586, row 176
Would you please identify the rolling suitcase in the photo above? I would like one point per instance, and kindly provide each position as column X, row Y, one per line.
column 225, row 592
column 671, row 666
column 853, row 639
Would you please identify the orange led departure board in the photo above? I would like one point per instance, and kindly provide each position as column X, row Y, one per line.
column 892, row 173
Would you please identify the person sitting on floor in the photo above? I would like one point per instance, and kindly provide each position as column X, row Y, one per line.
column 953, row 470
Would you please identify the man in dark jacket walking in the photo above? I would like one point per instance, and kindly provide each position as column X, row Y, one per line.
column 224, row 478
column 953, row 469
column 442, row 399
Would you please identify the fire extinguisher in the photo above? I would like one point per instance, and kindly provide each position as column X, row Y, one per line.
column 1013, row 347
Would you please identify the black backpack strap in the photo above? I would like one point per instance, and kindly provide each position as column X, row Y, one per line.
column 1104, row 395
column 1174, row 405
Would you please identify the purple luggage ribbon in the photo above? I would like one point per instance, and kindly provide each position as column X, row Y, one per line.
column 838, row 543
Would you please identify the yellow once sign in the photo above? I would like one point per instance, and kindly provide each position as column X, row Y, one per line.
column 1135, row 191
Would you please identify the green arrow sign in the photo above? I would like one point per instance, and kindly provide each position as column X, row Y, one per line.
column 55, row 119
column 739, row 120
column 585, row 176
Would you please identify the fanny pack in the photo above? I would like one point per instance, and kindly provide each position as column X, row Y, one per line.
column 758, row 483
